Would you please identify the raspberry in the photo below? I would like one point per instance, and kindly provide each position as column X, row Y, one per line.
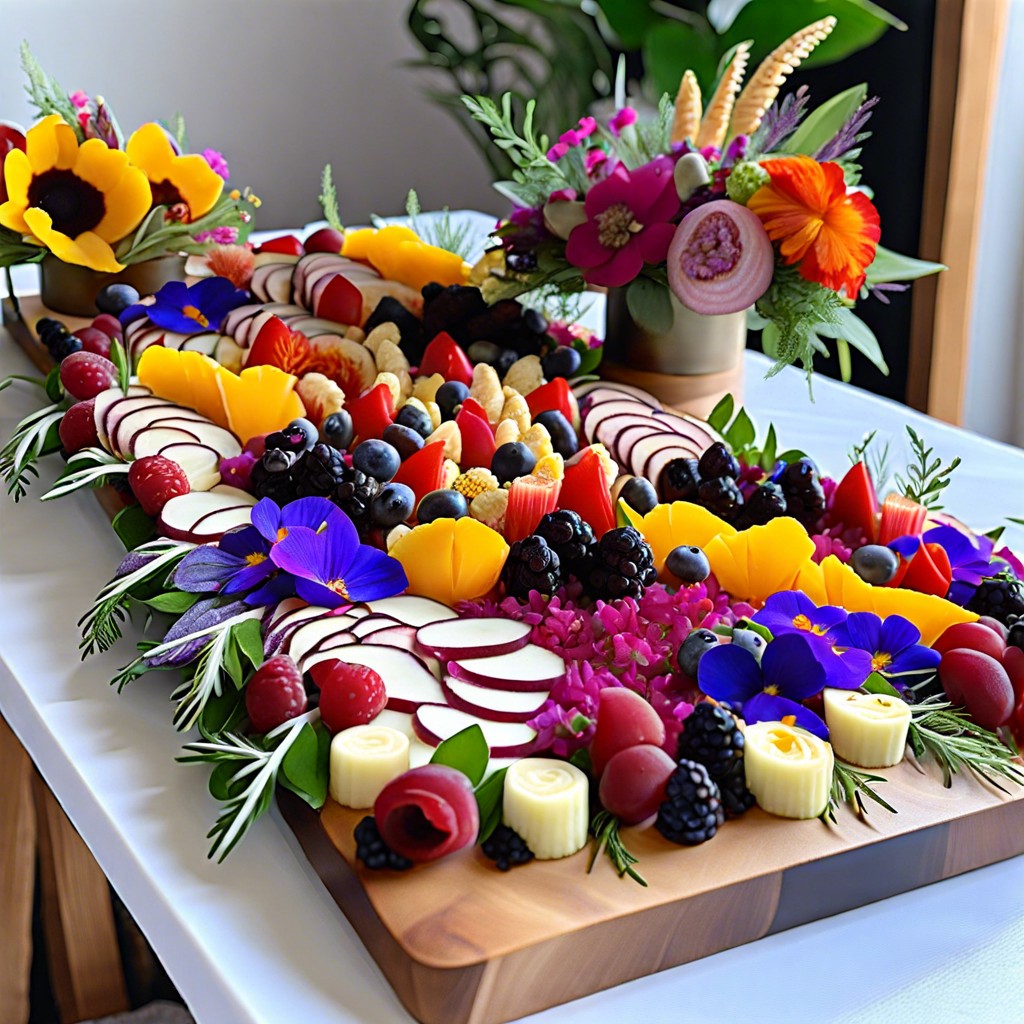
column 78, row 427
column 275, row 694
column 85, row 374
column 349, row 694
column 155, row 480
column 94, row 340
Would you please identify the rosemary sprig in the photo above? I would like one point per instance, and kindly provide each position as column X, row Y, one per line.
column 35, row 436
column 604, row 827
column 956, row 743
column 91, row 467
column 329, row 199
column 443, row 232
column 849, row 786
column 45, row 93
column 926, row 477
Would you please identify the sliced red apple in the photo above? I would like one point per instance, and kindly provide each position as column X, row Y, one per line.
column 111, row 406
column 529, row 668
column 407, row 681
column 220, row 439
column 493, row 704
column 272, row 282
column 134, row 413
column 435, row 723
column 403, row 637
column 594, row 390
column 627, row 440
column 200, row 464
column 412, row 611
column 206, row 343
column 204, row 516
column 315, row 326
column 598, row 415
column 452, row 639
column 317, row 634
column 653, row 443
column 154, row 440
column 373, row 621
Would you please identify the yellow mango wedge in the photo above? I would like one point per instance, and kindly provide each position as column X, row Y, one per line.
column 668, row 525
column 399, row 254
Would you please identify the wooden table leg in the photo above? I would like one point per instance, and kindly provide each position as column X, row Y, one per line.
column 17, row 875
column 86, row 972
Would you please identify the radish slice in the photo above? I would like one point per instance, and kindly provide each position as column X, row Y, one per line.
column 317, row 635
column 721, row 259
column 435, row 723
column 404, row 638
column 473, row 638
column 407, row 681
column 496, row 705
column 412, row 611
column 373, row 621
column 530, row 668
column 595, row 390
column 200, row 464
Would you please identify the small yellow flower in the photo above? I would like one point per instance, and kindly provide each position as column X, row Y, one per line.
column 76, row 200
column 174, row 179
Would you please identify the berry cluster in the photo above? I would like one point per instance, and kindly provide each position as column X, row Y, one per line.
column 691, row 812
column 506, row 848
column 712, row 737
column 1001, row 597
column 374, row 852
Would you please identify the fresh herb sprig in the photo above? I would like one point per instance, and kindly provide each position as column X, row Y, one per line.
column 45, row 92
column 444, row 232
column 850, row 786
column 876, row 456
column 740, row 435
column 604, row 827
column 34, row 437
column 329, row 199
column 926, row 478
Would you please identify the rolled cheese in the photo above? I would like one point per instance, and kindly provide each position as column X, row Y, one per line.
column 788, row 769
column 364, row 759
column 867, row 729
column 548, row 803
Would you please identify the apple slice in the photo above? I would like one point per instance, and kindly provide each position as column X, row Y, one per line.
column 107, row 413
column 124, row 419
column 412, row 611
column 435, row 723
column 530, row 668
column 220, row 439
column 494, row 705
column 598, row 415
column 200, row 463
column 261, row 259
column 234, row 319
column 404, row 638
column 653, row 443
column 205, row 343
column 133, row 426
column 314, row 326
column 597, row 389
column 473, row 638
column 204, row 516
column 407, row 681
column 106, row 400
column 373, row 621
column 317, row 634
column 285, row 618
column 628, row 439
column 272, row 282
column 156, row 439
column 608, row 431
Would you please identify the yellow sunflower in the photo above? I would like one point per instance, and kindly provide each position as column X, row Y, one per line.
column 76, row 200
column 175, row 180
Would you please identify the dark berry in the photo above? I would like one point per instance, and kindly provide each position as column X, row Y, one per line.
column 295, row 441
column 622, row 565
column 377, row 459
column 521, row 262
column 277, row 460
column 688, row 564
column 449, row 397
column 1015, row 637
column 531, row 565
column 506, row 848
column 639, row 494
column 721, row 496
column 693, row 648
column 394, row 504
column 1001, row 597
column 116, row 297
column 805, row 498
column 534, row 321
column 505, row 360
column 64, row 345
column 563, row 437
column 403, row 439
column 373, row 851
column 354, row 495
column 512, row 460
column 47, row 325
column 338, row 430
column 570, row 537
column 679, row 480
column 410, row 330
column 318, row 472
column 561, row 361
column 718, row 461
column 875, row 564
column 692, row 810
column 442, row 504
column 304, row 430
column 483, row 352
column 712, row 737
column 415, row 419
column 765, row 504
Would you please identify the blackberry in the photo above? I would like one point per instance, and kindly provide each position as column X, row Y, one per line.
column 712, row 737
column 355, row 494
column 319, row 472
column 1016, row 636
column 410, row 330
column 679, row 480
column 622, row 565
column 717, row 460
column 736, row 798
column 63, row 345
column 721, row 496
column 691, row 812
column 449, row 310
column 1001, row 597
column 531, row 565
column 765, row 504
column 273, row 476
column 374, row 852
column 570, row 537
column 506, row 848
column 805, row 499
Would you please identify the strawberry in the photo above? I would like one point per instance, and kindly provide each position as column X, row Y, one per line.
column 78, row 427
column 275, row 694
column 94, row 340
column 349, row 694
column 155, row 480
column 85, row 374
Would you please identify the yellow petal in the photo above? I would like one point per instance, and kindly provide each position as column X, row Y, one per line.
column 43, row 142
column 100, row 165
column 199, row 184
column 150, row 150
column 17, row 175
column 126, row 204
column 811, row 581
column 86, row 250
column 478, row 554
column 426, row 553
column 667, row 526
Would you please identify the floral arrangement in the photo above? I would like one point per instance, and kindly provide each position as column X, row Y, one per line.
column 74, row 186
column 751, row 202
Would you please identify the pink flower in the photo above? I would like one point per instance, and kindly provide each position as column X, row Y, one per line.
column 79, row 99
column 586, row 127
column 236, row 472
column 595, row 161
column 622, row 119
column 217, row 162
column 628, row 223
column 558, row 150
column 219, row 236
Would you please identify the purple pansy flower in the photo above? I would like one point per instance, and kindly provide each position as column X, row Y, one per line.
column 969, row 559
column 791, row 671
column 190, row 310
column 332, row 568
column 274, row 521
column 238, row 562
column 893, row 643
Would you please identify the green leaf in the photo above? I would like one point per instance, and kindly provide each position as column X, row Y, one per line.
column 721, row 414
column 822, row 124
column 649, row 305
column 232, row 663
column 762, row 631
column 52, row 385
column 890, row 266
column 621, row 519
column 488, row 801
column 741, row 434
column 845, row 362
column 133, row 527
column 581, row 759
column 249, row 639
column 222, row 714
column 466, row 751
column 590, row 358
column 671, row 48
column 221, row 786
column 630, row 20
column 121, row 362
column 305, row 769
column 174, row 602
column 852, row 329
column 769, row 450
column 877, row 683
column 791, row 455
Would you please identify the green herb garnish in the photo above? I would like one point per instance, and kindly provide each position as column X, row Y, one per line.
column 604, row 827
column 849, row 786
column 926, row 477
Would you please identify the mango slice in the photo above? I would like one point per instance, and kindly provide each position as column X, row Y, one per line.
column 399, row 254
column 667, row 526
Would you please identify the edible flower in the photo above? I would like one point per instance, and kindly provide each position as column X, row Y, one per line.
column 10, row 138
column 831, row 234
column 628, row 223
column 332, row 568
column 76, row 200
column 893, row 643
column 969, row 559
column 175, row 180
column 791, row 671
column 621, row 120
column 190, row 309
column 238, row 562
column 274, row 521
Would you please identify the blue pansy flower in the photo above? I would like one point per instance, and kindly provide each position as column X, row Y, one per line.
column 190, row 309
column 893, row 643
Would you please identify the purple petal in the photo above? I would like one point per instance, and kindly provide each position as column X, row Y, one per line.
column 916, row 658
column 250, row 576
column 765, row 708
column 172, row 319
column 906, row 546
column 206, row 569
column 862, row 630
column 373, row 574
column 845, row 669
column 201, row 615
column 277, row 588
column 266, row 517
column 897, row 635
column 729, row 672
column 302, row 553
column 315, row 593
column 245, row 541
column 315, row 513
column 794, row 665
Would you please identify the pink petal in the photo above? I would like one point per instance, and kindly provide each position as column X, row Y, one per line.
column 622, row 268
column 655, row 240
column 616, row 188
column 583, row 248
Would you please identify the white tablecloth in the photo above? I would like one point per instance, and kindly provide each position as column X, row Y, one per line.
column 258, row 939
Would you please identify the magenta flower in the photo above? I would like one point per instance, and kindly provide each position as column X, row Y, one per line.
column 217, row 163
column 219, row 236
column 595, row 161
column 622, row 119
column 628, row 224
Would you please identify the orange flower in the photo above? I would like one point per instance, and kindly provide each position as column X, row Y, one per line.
column 831, row 234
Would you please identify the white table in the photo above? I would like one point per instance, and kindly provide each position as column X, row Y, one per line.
column 258, row 939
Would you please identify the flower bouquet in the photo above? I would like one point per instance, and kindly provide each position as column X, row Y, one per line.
column 750, row 203
column 75, row 191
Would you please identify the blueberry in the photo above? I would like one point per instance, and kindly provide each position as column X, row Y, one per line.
column 377, row 459
column 417, row 420
column 449, row 397
column 688, row 563
column 393, row 504
column 116, row 297
column 563, row 437
column 1015, row 638
column 338, row 430
column 403, row 439
column 875, row 564
column 563, row 361
column 513, row 459
column 300, row 428
column 639, row 494
column 749, row 640
column 483, row 352
column 289, row 441
column 693, row 648
column 442, row 504
column 47, row 327
column 505, row 360
column 534, row 321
